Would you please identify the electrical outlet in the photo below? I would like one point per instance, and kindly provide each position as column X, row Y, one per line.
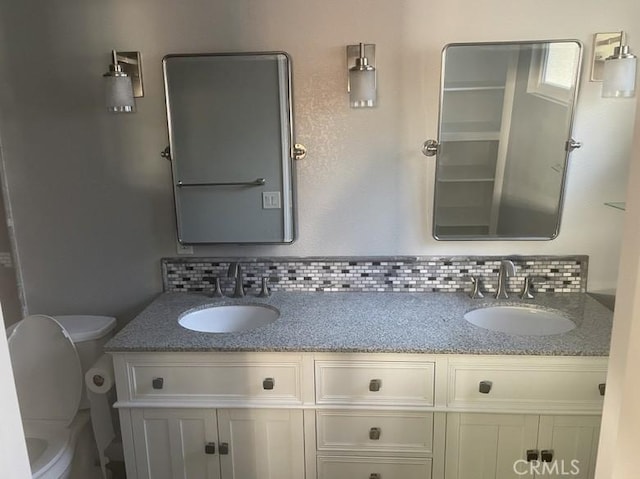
column 271, row 200
column 184, row 248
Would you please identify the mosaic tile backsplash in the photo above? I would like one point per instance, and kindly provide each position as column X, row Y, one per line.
column 563, row 274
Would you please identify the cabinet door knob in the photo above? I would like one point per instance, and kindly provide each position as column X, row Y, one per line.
column 602, row 387
column 374, row 433
column 268, row 383
column 157, row 383
column 375, row 385
column 546, row 455
column 532, row 455
column 375, row 475
column 223, row 448
column 485, row 387
column 210, row 448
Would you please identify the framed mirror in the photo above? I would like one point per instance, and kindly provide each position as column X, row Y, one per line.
column 231, row 147
column 504, row 139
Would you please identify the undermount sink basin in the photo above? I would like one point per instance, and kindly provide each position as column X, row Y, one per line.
column 520, row 320
column 229, row 319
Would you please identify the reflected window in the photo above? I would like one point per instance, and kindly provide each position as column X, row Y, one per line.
column 553, row 69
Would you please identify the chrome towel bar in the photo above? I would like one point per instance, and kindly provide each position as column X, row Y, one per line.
column 256, row 182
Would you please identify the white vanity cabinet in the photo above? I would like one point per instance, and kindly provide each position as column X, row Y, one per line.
column 355, row 415
column 495, row 446
column 484, row 443
column 375, row 418
column 222, row 443
column 200, row 415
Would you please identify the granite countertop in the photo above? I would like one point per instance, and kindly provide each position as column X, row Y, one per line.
column 368, row 322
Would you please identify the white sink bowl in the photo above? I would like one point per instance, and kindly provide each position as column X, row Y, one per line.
column 520, row 320
column 229, row 319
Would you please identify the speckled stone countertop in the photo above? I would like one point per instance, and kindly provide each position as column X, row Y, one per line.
column 367, row 322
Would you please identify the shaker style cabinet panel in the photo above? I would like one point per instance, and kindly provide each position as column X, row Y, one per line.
column 339, row 467
column 225, row 379
column 379, row 383
column 505, row 446
column 170, row 443
column 572, row 442
column 557, row 385
column 217, row 382
column 486, row 446
column 218, row 444
column 375, row 431
column 263, row 444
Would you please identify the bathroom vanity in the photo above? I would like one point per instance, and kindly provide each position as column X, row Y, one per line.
column 393, row 385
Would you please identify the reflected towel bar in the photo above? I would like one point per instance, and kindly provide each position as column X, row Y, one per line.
column 256, row 182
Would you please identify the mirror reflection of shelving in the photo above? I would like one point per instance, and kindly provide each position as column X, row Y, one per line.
column 474, row 133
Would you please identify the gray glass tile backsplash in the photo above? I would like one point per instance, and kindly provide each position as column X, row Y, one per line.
column 564, row 274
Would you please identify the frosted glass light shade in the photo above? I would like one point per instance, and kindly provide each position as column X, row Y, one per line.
column 119, row 94
column 362, row 87
column 619, row 77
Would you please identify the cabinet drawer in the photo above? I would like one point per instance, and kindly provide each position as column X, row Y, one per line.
column 346, row 467
column 545, row 386
column 401, row 383
column 228, row 381
column 379, row 431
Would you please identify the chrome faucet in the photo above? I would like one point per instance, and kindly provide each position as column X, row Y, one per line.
column 235, row 271
column 507, row 269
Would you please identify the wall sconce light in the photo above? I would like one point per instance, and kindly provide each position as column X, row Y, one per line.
column 619, row 72
column 361, row 85
column 123, row 82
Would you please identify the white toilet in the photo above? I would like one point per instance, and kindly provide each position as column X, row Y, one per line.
column 49, row 373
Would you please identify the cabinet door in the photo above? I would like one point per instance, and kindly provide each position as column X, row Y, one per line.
column 262, row 443
column 574, row 442
column 170, row 443
column 488, row 446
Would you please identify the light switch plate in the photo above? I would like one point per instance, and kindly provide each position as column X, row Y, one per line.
column 271, row 200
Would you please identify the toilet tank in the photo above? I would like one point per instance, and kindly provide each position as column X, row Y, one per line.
column 89, row 335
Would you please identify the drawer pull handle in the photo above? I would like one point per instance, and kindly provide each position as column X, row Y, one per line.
column 375, row 475
column 546, row 455
column 210, row 448
column 157, row 383
column 532, row 455
column 375, row 385
column 268, row 384
column 224, row 448
column 485, row 387
column 374, row 433
column 602, row 387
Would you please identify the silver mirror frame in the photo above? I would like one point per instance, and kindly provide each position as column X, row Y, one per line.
column 431, row 147
column 296, row 151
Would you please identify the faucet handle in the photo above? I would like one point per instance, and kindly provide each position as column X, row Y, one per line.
column 264, row 291
column 476, row 293
column 217, row 291
column 527, row 286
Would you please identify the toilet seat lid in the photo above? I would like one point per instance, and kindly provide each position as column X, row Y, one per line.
column 46, row 369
